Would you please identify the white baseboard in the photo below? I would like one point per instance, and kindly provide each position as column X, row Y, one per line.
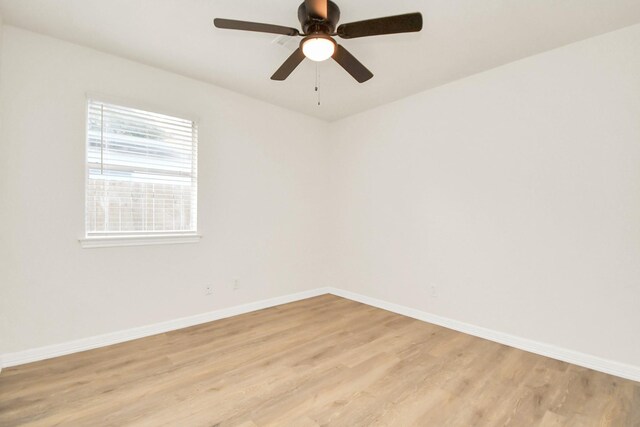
column 577, row 358
column 48, row 352
column 612, row 367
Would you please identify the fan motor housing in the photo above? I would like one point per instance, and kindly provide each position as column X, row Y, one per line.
column 312, row 25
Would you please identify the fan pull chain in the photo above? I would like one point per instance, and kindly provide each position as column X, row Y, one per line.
column 318, row 82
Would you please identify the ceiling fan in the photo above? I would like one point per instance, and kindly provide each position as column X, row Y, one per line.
column 319, row 19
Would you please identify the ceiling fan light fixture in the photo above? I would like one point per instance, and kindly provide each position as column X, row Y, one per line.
column 319, row 22
column 318, row 48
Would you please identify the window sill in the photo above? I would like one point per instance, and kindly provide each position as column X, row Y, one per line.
column 115, row 241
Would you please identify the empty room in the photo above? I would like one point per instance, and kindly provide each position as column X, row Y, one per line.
column 320, row 213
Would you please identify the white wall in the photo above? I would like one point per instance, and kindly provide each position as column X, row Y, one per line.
column 515, row 192
column 2, row 176
column 262, row 187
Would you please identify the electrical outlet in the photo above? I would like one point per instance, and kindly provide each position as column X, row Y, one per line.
column 236, row 284
column 208, row 290
column 433, row 291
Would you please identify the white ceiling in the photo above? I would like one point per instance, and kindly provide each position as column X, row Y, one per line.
column 460, row 38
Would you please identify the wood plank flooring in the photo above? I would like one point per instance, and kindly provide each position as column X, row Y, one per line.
column 321, row 361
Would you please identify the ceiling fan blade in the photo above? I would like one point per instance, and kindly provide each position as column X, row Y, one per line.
column 351, row 64
column 407, row 23
column 317, row 8
column 232, row 24
column 289, row 65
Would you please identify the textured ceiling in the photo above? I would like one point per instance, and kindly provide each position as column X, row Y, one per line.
column 460, row 38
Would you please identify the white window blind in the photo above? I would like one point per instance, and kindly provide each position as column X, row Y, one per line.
column 142, row 173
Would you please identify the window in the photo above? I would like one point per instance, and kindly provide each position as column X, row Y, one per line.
column 141, row 174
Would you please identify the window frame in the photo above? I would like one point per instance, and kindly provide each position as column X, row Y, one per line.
column 135, row 238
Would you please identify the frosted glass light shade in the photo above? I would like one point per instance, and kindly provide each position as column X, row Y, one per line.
column 318, row 49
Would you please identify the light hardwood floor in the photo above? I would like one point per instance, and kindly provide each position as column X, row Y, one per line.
column 321, row 361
